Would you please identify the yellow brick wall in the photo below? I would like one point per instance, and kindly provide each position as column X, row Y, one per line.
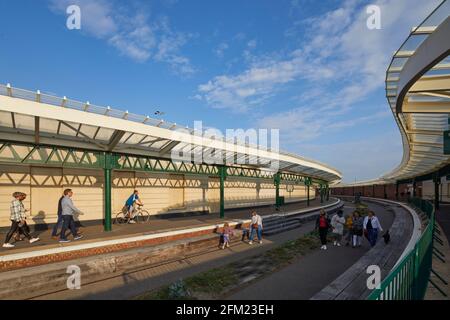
column 161, row 193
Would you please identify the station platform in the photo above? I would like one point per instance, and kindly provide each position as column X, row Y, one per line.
column 157, row 231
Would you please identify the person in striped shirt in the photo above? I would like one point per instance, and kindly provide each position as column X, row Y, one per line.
column 18, row 217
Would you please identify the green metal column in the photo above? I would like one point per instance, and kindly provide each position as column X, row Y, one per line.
column 308, row 184
column 321, row 193
column 222, row 177
column 328, row 193
column 107, row 187
column 436, row 180
column 276, row 181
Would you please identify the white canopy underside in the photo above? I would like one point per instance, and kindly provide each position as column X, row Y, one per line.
column 33, row 117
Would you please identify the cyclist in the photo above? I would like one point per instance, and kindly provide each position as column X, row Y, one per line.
column 130, row 205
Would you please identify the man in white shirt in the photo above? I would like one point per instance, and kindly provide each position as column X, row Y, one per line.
column 256, row 225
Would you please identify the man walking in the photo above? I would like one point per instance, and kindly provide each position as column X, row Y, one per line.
column 67, row 212
column 18, row 222
column 256, row 225
column 59, row 222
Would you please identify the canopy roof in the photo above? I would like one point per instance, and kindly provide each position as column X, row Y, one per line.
column 418, row 92
column 42, row 119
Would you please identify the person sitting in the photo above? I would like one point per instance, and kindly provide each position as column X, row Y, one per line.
column 130, row 205
column 227, row 232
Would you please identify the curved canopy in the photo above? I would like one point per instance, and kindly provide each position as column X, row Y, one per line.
column 41, row 119
column 418, row 92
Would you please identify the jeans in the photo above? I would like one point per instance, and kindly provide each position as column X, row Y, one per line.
column 68, row 223
column 372, row 236
column 258, row 232
column 323, row 235
column 58, row 224
column 14, row 228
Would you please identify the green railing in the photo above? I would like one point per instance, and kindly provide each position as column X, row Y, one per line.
column 409, row 279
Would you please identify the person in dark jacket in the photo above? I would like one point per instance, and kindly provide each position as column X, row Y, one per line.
column 322, row 225
column 59, row 222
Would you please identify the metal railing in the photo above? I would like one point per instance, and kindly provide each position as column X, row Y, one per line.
column 409, row 280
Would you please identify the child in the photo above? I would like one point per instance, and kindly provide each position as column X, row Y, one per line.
column 225, row 236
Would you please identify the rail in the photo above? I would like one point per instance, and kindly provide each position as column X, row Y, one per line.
column 409, row 280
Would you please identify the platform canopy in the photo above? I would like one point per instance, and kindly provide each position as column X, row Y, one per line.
column 418, row 92
column 40, row 119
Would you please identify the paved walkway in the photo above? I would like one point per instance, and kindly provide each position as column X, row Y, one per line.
column 443, row 269
column 297, row 281
column 443, row 218
column 310, row 274
column 156, row 224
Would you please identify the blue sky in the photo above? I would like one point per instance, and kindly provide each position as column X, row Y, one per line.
column 309, row 68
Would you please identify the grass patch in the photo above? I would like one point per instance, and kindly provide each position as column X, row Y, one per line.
column 214, row 283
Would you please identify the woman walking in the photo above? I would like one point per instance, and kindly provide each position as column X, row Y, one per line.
column 357, row 232
column 372, row 227
column 18, row 220
column 322, row 225
column 337, row 223
column 348, row 229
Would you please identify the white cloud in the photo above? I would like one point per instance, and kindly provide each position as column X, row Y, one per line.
column 338, row 51
column 365, row 157
column 131, row 33
column 220, row 50
column 258, row 83
column 252, row 44
column 97, row 17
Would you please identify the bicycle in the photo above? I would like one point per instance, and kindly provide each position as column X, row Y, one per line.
column 140, row 215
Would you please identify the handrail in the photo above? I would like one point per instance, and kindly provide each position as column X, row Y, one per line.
column 409, row 280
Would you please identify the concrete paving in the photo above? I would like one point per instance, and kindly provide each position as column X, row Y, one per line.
column 156, row 224
column 300, row 280
column 308, row 275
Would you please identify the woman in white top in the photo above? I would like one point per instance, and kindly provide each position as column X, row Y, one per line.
column 372, row 227
column 337, row 222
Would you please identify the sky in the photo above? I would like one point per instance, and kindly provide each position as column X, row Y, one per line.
column 312, row 69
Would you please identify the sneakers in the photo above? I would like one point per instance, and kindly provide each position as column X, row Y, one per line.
column 228, row 245
column 64, row 240
column 334, row 243
column 338, row 244
column 250, row 242
column 324, row 247
column 8, row 245
column 131, row 221
column 260, row 241
column 33, row 240
column 78, row 237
